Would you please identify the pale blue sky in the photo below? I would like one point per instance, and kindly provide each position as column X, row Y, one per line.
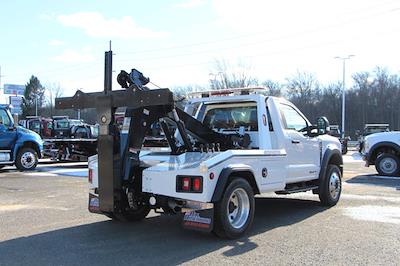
column 176, row 42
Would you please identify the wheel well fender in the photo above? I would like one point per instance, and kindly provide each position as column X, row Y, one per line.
column 27, row 144
column 229, row 173
column 331, row 156
column 387, row 145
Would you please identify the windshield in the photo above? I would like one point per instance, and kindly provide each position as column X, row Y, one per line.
column 35, row 126
column 232, row 118
column 5, row 118
column 62, row 124
column 334, row 132
column 372, row 130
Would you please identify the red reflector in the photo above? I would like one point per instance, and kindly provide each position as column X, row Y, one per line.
column 90, row 175
column 186, row 183
column 197, row 184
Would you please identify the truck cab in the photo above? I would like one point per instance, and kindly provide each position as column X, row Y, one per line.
column 18, row 146
column 41, row 125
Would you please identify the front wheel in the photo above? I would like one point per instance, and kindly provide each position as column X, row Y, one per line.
column 387, row 164
column 27, row 159
column 234, row 213
column 330, row 187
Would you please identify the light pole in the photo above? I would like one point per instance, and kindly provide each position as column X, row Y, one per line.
column 344, row 58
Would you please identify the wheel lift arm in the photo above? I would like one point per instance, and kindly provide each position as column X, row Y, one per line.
column 106, row 102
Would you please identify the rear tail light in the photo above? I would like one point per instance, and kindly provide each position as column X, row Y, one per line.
column 189, row 184
column 90, row 175
column 197, row 184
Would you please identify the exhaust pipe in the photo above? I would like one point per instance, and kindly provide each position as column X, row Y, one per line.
column 175, row 205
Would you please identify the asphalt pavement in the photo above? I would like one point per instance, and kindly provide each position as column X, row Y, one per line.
column 44, row 221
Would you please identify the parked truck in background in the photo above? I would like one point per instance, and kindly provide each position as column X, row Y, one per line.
column 18, row 146
column 383, row 150
column 371, row 129
column 334, row 131
column 41, row 125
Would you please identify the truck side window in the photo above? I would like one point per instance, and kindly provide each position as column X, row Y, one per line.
column 292, row 119
column 4, row 119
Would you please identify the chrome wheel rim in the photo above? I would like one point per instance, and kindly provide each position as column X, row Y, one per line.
column 334, row 185
column 28, row 159
column 238, row 208
column 388, row 165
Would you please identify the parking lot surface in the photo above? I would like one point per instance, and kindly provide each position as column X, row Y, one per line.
column 44, row 221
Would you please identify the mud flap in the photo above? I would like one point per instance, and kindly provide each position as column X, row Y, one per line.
column 199, row 220
column 93, row 205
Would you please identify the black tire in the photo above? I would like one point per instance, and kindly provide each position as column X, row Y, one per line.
column 330, row 187
column 131, row 215
column 223, row 226
column 27, row 159
column 344, row 149
column 360, row 146
column 387, row 164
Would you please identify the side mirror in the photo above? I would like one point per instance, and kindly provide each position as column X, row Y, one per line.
column 322, row 125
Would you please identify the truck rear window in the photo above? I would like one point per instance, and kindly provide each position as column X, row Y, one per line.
column 232, row 118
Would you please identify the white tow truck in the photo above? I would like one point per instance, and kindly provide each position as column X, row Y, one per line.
column 285, row 154
column 224, row 148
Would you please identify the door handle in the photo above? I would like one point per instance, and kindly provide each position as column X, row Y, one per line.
column 295, row 141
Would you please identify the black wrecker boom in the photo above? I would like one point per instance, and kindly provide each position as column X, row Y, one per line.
column 159, row 101
column 118, row 152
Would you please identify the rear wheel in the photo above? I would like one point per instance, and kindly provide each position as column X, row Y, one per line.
column 330, row 187
column 234, row 213
column 131, row 215
column 127, row 214
column 387, row 164
column 27, row 159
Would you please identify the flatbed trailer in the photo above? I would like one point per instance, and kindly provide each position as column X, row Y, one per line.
column 70, row 149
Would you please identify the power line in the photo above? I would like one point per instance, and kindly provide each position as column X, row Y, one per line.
column 263, row 32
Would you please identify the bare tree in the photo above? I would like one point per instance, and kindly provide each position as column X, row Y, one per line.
column 225, row 75
column 54, row 91
column 274, row 88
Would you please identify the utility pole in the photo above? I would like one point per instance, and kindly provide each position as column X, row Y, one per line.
column 344, row 58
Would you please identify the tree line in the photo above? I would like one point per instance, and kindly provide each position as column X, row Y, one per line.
column 373, row 97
